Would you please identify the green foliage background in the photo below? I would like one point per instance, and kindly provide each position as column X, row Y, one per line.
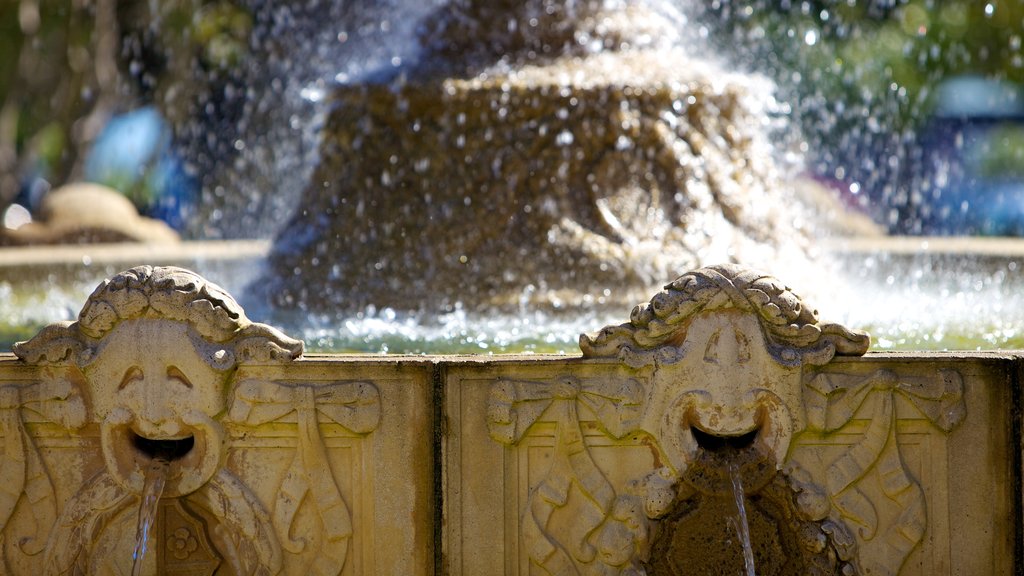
column 863, row 76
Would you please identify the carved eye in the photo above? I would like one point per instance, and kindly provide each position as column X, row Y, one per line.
column 742, row 348
column 175, row 374
column 711, row 352
column 133, row 374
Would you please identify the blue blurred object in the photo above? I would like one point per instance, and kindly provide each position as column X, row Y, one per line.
column 134, row 155
column 974, row 145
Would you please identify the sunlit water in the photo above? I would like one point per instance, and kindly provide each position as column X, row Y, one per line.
column 917, row 302
column 905, row 303
column 741, row 523
column 153, row 488
column 929, row 302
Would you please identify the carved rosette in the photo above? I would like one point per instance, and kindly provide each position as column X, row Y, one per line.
column 150, row 366
column 727, row 372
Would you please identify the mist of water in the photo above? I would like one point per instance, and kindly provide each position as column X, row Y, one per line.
column 254, row 144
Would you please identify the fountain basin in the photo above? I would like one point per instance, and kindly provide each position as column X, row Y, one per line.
column 890, row 286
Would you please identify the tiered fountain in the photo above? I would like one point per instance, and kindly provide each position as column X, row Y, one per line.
column 542, row 148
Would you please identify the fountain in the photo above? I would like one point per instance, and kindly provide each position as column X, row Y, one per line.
column 722, row 429
column 579, row 139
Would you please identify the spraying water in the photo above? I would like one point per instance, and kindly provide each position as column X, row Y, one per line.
column 153, row 488
column 249, row 128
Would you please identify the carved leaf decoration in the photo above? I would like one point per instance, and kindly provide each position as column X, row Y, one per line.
column 78, row 527
column 354, row 405
column 832, row 401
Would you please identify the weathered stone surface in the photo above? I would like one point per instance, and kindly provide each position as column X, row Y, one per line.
column 625, row 461
column 88, row 213
column 269, row 472
column 726, row 381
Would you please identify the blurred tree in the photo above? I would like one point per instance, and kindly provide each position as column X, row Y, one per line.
column 862, row 78
column 58, row 85
column 68, row 66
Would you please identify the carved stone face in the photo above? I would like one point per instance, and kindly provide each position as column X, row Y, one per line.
column 725, row 386
column 155, row 393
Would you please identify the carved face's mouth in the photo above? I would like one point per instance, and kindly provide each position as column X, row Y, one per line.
column 720, row 444
column 164, row 449
column 718, row 457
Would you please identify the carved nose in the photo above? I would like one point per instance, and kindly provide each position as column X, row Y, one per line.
column 727, row 347
column 157, row 420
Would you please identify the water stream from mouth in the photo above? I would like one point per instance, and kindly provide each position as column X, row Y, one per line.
column 742, row 526
column 153, row 488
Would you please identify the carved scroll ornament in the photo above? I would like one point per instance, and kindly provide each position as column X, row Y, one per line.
column 608, row 529
column 353, row 405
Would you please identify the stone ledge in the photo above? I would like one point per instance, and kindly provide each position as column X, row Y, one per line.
column 121, row 254
column 617, row 462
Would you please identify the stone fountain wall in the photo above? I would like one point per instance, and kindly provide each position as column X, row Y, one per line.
column 622, row 461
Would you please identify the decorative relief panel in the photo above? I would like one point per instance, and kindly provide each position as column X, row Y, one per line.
column 868, row 482
column 725, row 379
column 147, row 379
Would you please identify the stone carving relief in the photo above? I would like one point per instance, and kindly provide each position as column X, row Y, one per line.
column 150, row 369
column 833, row 401
column 23, row 474
column 607, row 531
column 726, row 370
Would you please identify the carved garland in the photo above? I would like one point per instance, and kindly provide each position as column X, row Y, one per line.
column 608, row 529
column 832, row 401
column 22, row 471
